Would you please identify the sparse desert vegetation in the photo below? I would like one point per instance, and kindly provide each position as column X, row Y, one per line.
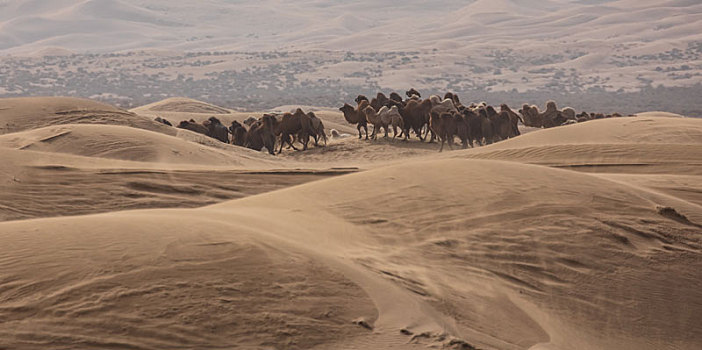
column 325, row 78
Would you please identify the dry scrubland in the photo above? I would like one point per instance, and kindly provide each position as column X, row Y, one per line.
column 619, row 55
column 584, row 236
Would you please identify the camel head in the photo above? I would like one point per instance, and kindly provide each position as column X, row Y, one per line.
column 411, row 92
column 361, row 98
column 349, row 113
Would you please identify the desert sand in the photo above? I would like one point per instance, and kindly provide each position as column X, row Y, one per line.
column 122, row 233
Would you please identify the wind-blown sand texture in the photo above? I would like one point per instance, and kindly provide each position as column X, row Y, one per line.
column 587, row 236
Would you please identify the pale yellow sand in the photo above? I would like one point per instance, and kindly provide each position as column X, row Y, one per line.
column 516, row 250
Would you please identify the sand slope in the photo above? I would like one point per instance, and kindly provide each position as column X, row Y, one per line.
column 581, row 237
column 121, row 142
column 506, row 263
column 23, row 113
column 184, row 105
column 632, row 145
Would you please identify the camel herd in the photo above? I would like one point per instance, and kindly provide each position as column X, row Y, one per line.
column 447, row 118
column 429, row 119
column 268, row 131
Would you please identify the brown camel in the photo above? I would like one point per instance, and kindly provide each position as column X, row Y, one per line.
column 216, row 130
column 501, row 126
column 475, row 126
column 163, row 121
column 356, row 116
column 192, row 125
column 292, row 124
column 486, row 127
column 238, row 133
column 448, row 125
column 414, row 116
column 262, row 134
column 514, row 119
column 318, row 132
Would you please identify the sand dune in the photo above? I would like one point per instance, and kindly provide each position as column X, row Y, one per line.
column 123, row 24
column 578, row 237
column 18, row 114
column 126, row 143
column 631, row 145
column 511, row 262
column 185, row 105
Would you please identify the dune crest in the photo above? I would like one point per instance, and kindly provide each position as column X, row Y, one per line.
column 184, row 105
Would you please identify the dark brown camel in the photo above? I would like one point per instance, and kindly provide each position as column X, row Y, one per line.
column 414, row 115
column 262, row 134
column 238, row 132
column 216, row 130
column 192, row 125
column 292, row 124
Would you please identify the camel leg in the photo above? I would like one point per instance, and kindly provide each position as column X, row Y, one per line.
column 359, row 126
column 290, row 142
column 418, row 132
column 442, row 146
column 386, row 131
column 365, row 127
column 433, row 136
column 282, row 143
column 307, row 141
